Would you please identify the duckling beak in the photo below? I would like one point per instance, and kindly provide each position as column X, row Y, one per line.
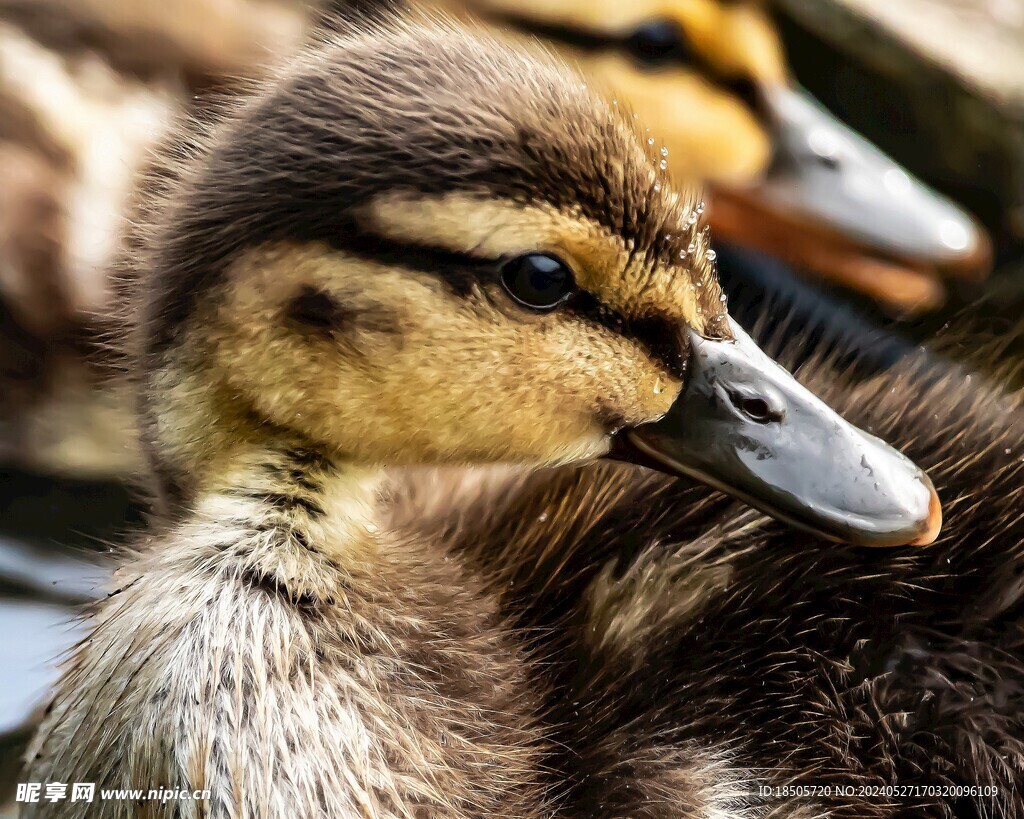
column 835, row 182
column 742, row 424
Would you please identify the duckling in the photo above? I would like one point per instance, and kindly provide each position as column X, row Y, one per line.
column 711, row 663
column 72, row 132
column 87, row 91
column 710, row 78
column 415, row 245
column 204, row 42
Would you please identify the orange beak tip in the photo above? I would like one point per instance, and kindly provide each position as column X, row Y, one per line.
column 934, row 523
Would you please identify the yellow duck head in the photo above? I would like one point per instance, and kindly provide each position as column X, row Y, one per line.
column 709, row 77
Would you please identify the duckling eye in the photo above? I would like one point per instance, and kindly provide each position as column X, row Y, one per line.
column 658, row 41
column 537, row 281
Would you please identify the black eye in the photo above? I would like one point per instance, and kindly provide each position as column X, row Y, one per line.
column 658, row 41
column 537, row 281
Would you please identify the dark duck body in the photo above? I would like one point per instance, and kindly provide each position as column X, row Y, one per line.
column 708, row 661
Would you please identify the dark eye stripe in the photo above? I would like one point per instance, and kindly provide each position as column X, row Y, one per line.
column 745, row 88
column 661, row 338
column 584, row 39
column 459, row 271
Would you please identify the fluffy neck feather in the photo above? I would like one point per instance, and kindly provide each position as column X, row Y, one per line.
column 294, row 511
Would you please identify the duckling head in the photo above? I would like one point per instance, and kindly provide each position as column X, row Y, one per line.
column 419, row 246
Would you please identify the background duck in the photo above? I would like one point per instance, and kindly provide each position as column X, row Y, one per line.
column 709, row 658
column 75, row 134
column 710, row 79
column 319, row 295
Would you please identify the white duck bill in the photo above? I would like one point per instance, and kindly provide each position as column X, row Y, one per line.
column 796, row 459
column 840, row 181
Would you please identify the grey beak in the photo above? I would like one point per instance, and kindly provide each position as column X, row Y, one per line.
column 744, row 425
column 840, row 181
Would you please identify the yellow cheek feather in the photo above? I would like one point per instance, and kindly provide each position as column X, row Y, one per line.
column 451, row 379
column 738, row 39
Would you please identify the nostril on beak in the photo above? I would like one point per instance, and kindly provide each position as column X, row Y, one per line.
column 757, row 408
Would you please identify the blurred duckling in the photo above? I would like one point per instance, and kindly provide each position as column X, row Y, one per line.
column 93, row 128
column 87, row 90
column 73, row 134
column 203, row 42
column 709, row 78
column 414, row 246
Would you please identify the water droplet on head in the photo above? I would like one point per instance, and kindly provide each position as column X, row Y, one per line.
column 658, row 387
column 657, row 186
column 663, row 164
column 690, row 248
column 664, row 151
column 712, row 256
column 650, row 140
